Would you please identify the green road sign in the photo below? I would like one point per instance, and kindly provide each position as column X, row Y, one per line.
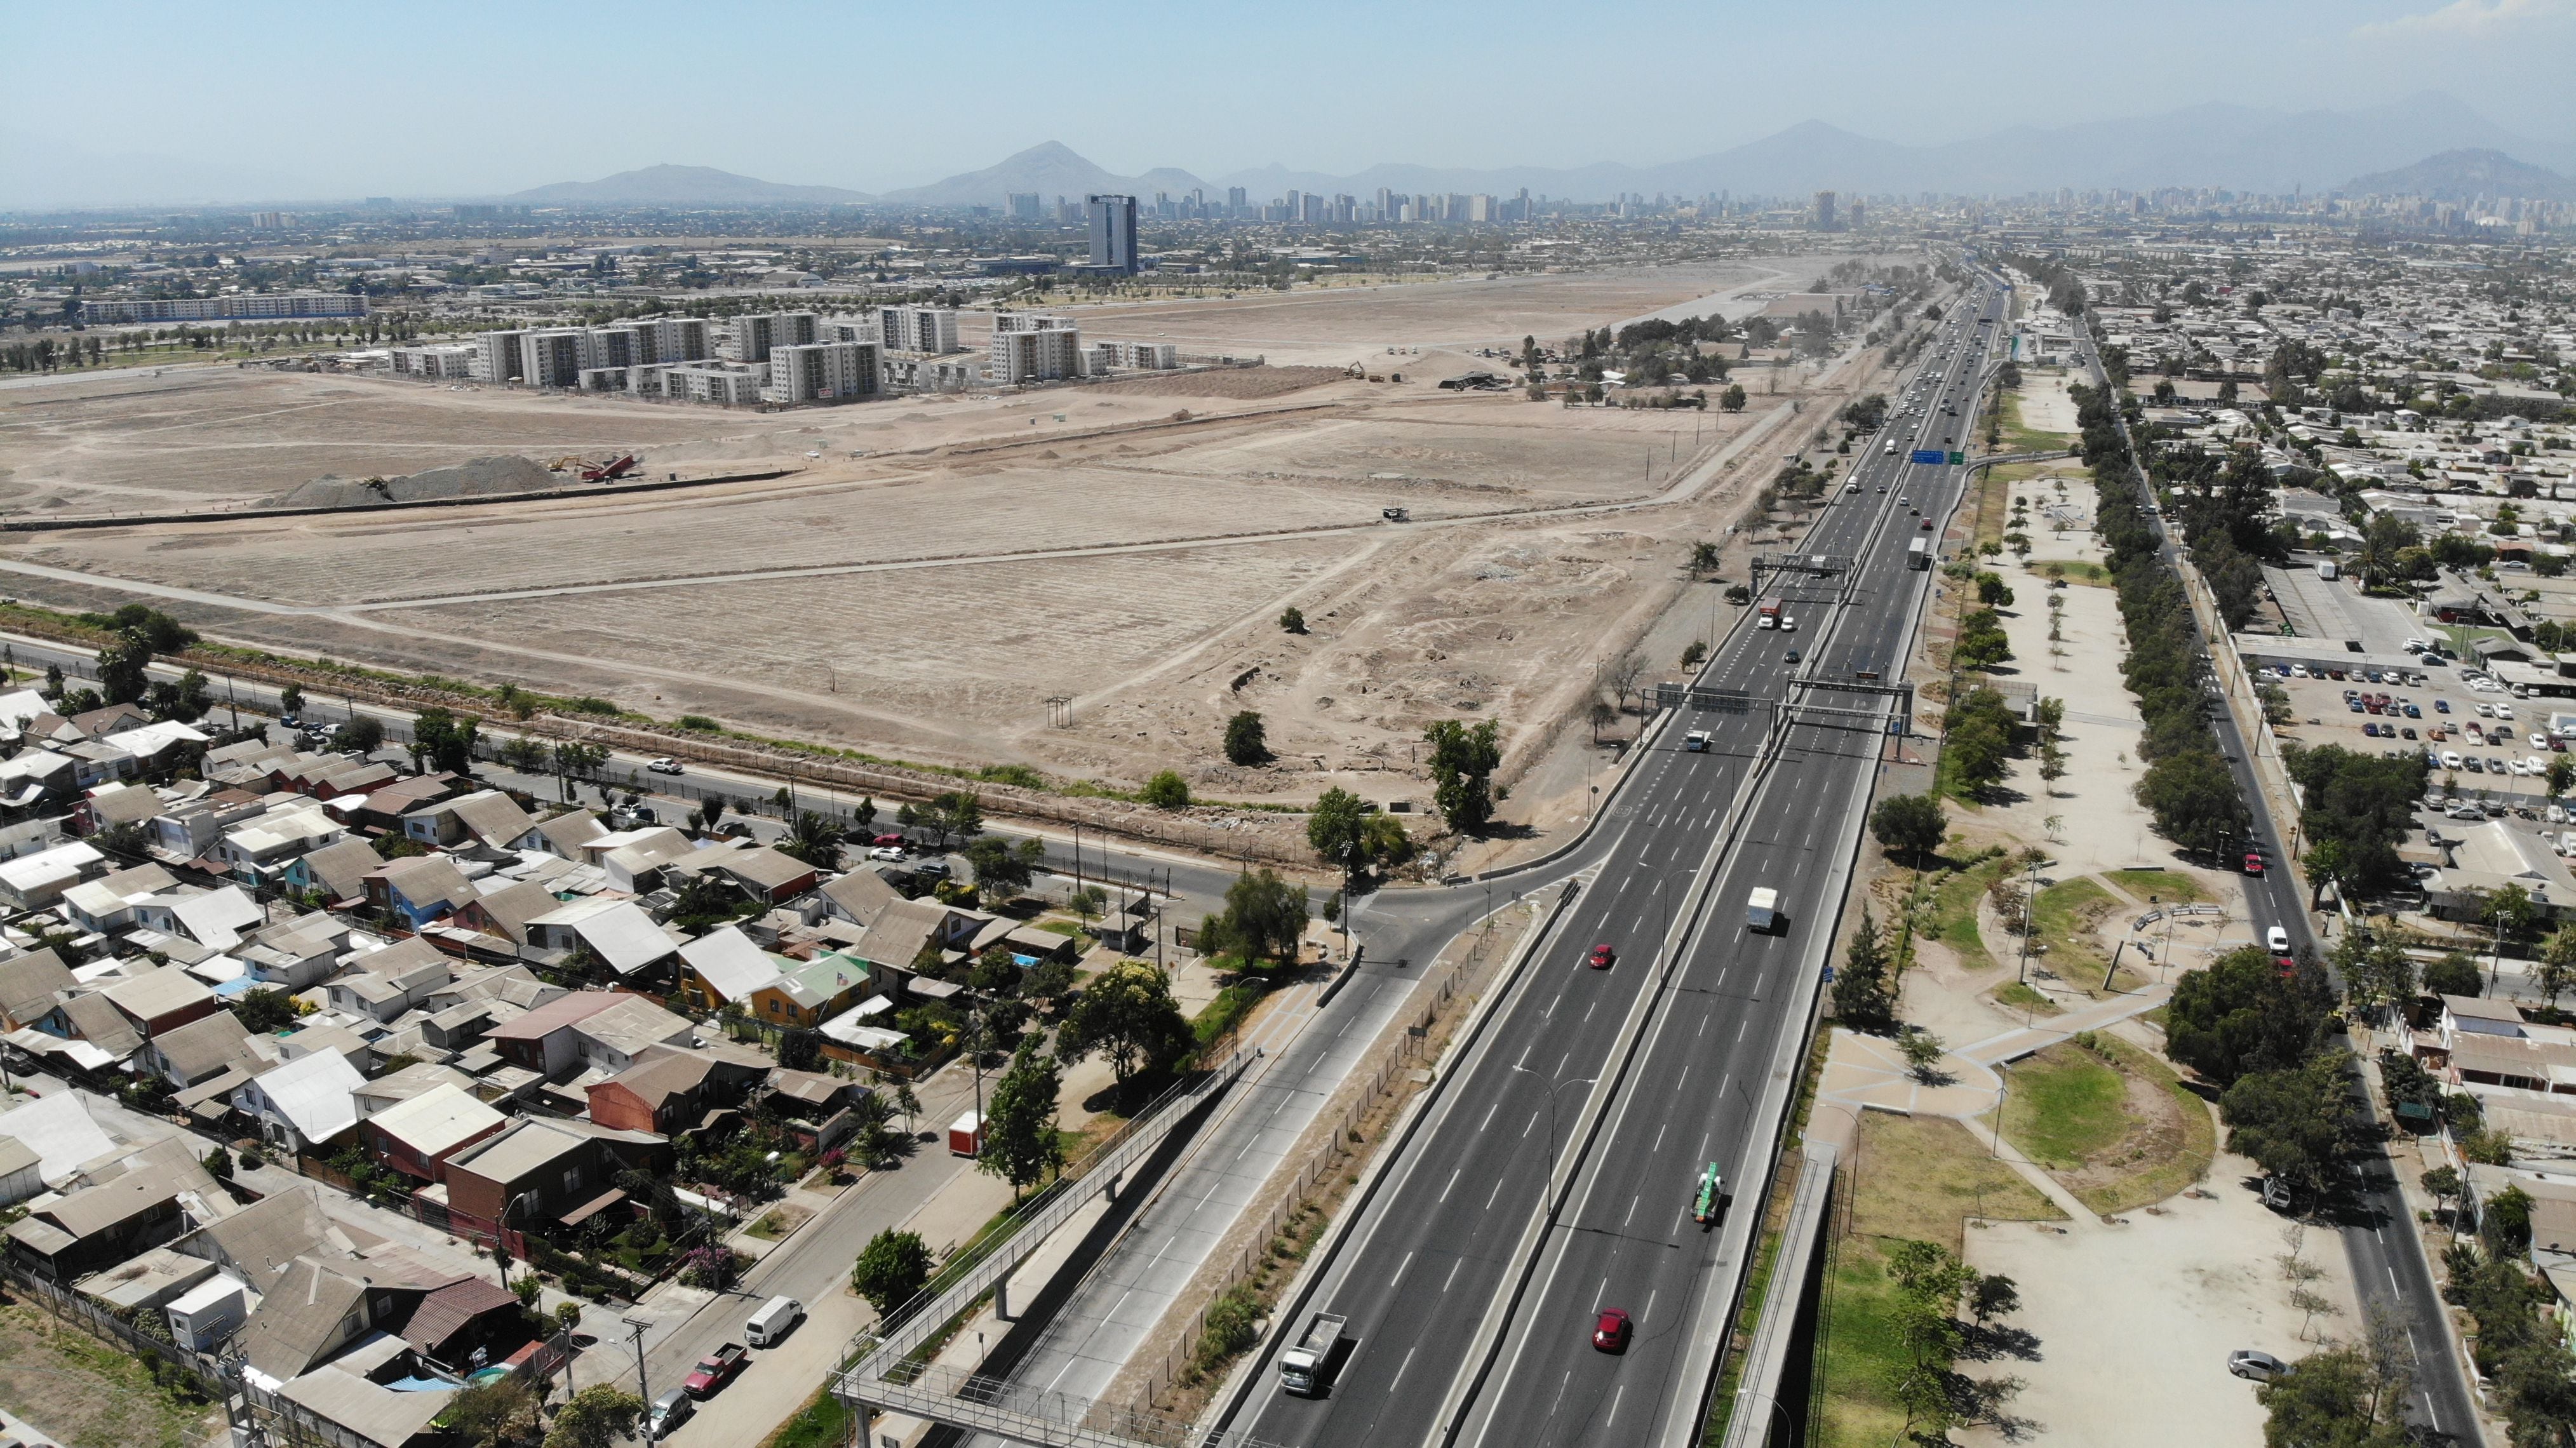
column 1957, row 458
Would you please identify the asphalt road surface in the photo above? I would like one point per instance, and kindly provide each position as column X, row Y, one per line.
column 1433, row 1255
column 2389, row 1268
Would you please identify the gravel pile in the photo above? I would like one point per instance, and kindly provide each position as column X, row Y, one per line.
column 508, row 473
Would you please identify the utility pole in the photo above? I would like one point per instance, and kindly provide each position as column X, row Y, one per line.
column 637, row 1325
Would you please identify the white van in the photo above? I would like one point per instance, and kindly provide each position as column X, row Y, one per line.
column 776, row 1318
column 2276, row 937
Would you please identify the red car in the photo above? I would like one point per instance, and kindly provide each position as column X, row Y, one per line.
column 1610, row 1331
column 897, row 841
column 1601, row 957
column 1927, row 525
column 716, row 1369
column 2285, row 966
column 2253, row 863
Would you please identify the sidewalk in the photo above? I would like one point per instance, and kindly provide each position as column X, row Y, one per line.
column 1869, row 1073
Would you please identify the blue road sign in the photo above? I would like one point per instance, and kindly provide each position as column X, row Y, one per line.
column 1931, row 455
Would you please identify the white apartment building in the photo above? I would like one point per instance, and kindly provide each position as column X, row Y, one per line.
column 672, row 339
column 553, row 356
column 919, row 329
column 928, row 372
column 497, row 356
column 851, row 329
column 1033, row 349
column 725, row 384
column 452, row 360
column 824, row 372
column 751, row 338
column 238, row 306
column 1157, row 356
column 608, row 379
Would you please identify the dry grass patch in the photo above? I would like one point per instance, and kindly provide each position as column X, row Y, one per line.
column 87, row 1393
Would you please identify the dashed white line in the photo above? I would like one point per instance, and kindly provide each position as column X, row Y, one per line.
column 1453, row 1181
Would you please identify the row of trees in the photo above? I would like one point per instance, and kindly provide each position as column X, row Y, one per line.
column 2187, row 786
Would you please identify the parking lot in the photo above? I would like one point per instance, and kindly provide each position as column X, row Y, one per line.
column 2485, row 744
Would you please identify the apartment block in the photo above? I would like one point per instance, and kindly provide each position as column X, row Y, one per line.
column 929, row 372
column 824, row 372
column 1033, row 349
column 1151, row 355
column 552, row 356
column 752, row 338
column 672, row 339
column 239, row 307
column 1113, row 232
column 918, row 329
column 498, row 357
column 452, row 360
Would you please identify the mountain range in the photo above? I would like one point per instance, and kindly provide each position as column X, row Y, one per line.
column 685, row 186
column 2242, row 148
column 2466, row 175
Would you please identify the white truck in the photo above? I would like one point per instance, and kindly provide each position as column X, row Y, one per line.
column 1306, row 1368
column 1762, row 911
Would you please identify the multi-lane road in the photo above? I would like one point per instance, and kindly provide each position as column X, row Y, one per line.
column 2389, row 1268
column 1470, row 1302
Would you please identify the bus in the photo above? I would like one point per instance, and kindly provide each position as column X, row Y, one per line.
column 1920, row 555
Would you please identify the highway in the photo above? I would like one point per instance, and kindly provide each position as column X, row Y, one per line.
column 2389, row 1268
column 1438, row 1253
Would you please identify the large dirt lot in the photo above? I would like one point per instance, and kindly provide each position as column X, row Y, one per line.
column 933, row 569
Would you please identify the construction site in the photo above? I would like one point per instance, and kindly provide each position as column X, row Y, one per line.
column 1088, row 580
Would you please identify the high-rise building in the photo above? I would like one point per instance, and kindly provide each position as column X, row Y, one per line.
column 1024, row 206
column 497, row 359
column 1113, row 232
column 1236, row 201
column 552, row 356
column 823, row 372
column 918, row 329
column 1824, row 211
column 752, row 338
column 1029, row 348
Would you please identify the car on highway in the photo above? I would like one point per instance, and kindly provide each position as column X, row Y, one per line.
column 1696, row 741
column 1927, row 525
column 1791, row 658
column 1602, row 957
column 2253, row 863
column 1788, row 624
column 664, row 765
column 1610, row 1330
column 2277, row 940
column 2259, row 1366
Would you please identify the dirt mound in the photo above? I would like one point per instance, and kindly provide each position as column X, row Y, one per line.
column 1236, row 382
column 481, row 477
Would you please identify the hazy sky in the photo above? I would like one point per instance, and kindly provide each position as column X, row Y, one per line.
column 413, row 100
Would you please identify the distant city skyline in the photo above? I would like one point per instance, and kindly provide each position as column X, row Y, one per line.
column 282, row 100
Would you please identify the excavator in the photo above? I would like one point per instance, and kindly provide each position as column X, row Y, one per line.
column 594, row 472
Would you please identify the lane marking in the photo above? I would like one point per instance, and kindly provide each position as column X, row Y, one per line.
column 1453, row 1181
column 1399, row 1372
column 1489, row 1117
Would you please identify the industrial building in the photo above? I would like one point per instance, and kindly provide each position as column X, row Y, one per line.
column 239, row 307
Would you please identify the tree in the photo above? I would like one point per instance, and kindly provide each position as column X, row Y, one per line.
column 1864, row 995
column 1982, row 643
column 2326, row 1400
column 444, row 739
column 710, row 810
column 1167, row 790
column 1463, row 761
column 362, row 734
column 2504, row 1222
column 2509, row 912
column 2454, row 974
column 1246, row 743
column 1127, row 1013
column 1003, row 870
column 596, row 1417
column 814, row 839
column 1910, row 826
column 263, row 1009
column 1993, row 591
column 2555, row 973
column 489, row 1414
column 185, row 700
column 1264, row 918
column 1993, row 1296
column 959, row 813
column 522, row 754
column 290, row 701
column 1704, row 557
column 1021, row 1144
column 2442, row 1183
column 800, row 1050
column 1336, row 828
column 2291, row 1121
column 1732, row 399
column 891, row 1271
column 1692, row 653
column 121, row 669
column 1922, row 1051
column 1292, row 621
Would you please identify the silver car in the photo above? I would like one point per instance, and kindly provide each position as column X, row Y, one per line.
column 2262, row 1367
column 674, row 1407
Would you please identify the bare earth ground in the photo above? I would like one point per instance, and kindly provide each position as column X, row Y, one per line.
column 929, row 625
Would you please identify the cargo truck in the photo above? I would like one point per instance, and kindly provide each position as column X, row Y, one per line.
column 1762, row 911
column 1768, row 615
column 1306, row 1368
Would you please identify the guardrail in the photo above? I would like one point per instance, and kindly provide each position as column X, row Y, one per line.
column 874, row 1367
